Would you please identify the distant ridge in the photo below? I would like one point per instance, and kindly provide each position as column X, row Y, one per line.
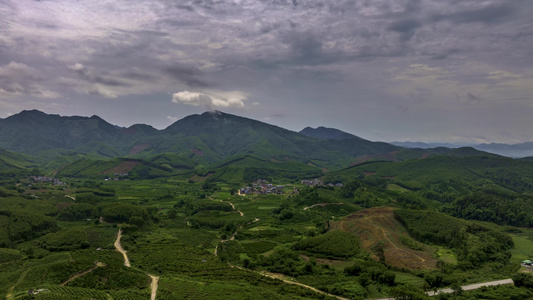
column 205, row 138
column 510, row 150
column 428, row 145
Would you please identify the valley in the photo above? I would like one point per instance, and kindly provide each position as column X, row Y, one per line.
column 166, row 222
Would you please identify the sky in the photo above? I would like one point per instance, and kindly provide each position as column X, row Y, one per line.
column 388, row 70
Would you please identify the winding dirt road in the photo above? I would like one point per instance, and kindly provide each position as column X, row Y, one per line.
column 97, row 264
column 119, row 248
column 280, row 277
column 155, row 279
column 233, row 206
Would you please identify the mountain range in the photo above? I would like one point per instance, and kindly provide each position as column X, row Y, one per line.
column 206, row 138
column 510, row 150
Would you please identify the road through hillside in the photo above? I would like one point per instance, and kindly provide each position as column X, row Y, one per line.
column 154, row 286
column 119, row 248
column 155, row 279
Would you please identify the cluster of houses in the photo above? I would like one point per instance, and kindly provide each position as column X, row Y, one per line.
column 262, row 187
column 36, row 291
column 54, row 181
column 117, row 176
column 312, row 182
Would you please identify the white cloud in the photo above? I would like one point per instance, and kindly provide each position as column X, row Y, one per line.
column 76, row 67
column 211, row 100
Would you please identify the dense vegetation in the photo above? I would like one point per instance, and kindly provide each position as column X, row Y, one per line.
column 334, row 244
column 174, row 195
column 474, row 244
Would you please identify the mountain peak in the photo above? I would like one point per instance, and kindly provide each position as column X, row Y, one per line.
column 30, row 113
column 213, row 113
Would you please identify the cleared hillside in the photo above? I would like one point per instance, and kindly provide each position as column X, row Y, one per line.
column 378, row 228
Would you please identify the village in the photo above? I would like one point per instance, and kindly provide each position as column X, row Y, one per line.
column 262, row 187
column 54, row 181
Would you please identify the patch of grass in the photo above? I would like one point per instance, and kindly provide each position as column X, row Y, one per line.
column 409, row 278
column 395, row 187
column 523, row 246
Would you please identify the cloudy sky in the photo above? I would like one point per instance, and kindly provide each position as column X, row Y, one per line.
column 390, row 70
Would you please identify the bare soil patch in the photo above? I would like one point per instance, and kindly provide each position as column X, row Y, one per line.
column 377, row 226
column 197, row 151
column 139, row 148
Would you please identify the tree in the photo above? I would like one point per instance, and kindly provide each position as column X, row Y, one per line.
column 407, row 292
column 85, row 245
column 457, row 289
column 137, row 221
column 172, row 213
column 523, row 279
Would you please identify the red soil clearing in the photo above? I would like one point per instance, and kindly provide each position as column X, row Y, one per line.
column 138, row 148
column 197, row 151
column 378, row 225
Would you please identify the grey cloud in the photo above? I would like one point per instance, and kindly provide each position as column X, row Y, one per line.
column 185, row 7
column 282, row 51
column 18, row 79
column 406, row 28
column 488, row 15
column 186, row 75
column 88, row 76
column 473, row 98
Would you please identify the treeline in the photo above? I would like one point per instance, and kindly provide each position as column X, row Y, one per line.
column 473, row 244
column 252, row 174
column 122, row 212
column 24, row 226
column 333, row 244
column 496, row 207
column 77, row 212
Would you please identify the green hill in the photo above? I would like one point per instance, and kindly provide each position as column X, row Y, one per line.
column 248, row 168
column 10, row 161
column 206, row 139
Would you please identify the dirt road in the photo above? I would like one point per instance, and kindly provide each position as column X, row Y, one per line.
column 119, row 248
column 97, row 264
column 155, row 279
column 154, row 286
column 233, row 206
column 280, row 277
